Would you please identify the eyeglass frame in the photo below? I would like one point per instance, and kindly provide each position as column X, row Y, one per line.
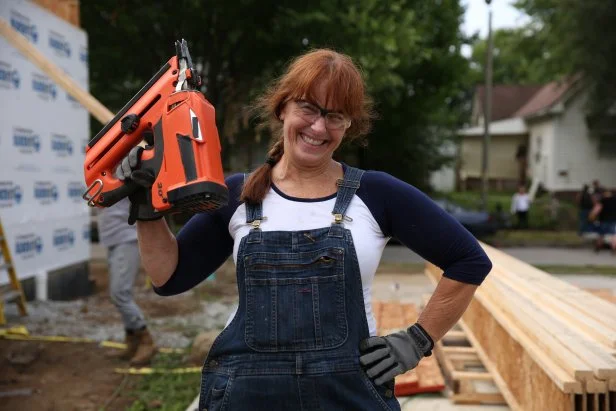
column 324, row 112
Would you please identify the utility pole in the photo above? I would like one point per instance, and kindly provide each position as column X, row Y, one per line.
column 487, row 114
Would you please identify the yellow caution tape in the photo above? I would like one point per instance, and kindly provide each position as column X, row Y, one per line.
column 147, row 370
column 121, row 346
column 21, row 333
column 19, row 330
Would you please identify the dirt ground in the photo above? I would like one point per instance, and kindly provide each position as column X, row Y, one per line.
column 37, row 375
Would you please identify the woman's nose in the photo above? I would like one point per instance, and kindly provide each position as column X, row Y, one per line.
column 319, row 124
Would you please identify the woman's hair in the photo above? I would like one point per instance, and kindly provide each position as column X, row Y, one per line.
column 346, row 93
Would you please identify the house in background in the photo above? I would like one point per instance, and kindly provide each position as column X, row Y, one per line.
column 540, row 134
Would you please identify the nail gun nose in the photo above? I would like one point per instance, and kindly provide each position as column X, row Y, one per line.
column 130, row 123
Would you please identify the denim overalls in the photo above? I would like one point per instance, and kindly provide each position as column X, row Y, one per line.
column 294, row 342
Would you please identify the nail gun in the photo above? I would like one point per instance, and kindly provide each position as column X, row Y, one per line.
column 179, row 123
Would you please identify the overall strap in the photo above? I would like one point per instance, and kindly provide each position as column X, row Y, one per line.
column 346, row 190
column 254, row 212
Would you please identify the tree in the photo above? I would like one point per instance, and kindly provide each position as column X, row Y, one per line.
column 409, row 52
column 580, row 35
column 520, row 56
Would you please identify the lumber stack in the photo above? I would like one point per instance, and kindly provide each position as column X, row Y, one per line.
column 392, row 316
column 547, row 344
column 467, row 378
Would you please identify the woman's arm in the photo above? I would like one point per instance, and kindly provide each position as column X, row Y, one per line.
column 159, row 250
column 449, row 301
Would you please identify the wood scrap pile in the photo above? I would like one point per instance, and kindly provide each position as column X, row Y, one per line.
column 547, row 344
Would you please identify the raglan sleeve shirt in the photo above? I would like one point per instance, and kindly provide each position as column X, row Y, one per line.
column 400, row 210
column 404, row 212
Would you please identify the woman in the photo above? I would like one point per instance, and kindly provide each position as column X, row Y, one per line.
column 307, row 233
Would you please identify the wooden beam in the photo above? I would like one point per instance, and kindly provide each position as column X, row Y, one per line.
column 471, row 375
column 100, row 112
column 478, row 398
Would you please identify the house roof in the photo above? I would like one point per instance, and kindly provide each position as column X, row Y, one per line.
column 547, row 97
column 508, row 126
column 506, row 99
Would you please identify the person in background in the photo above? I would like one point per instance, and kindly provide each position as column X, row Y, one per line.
column 585, row 204
column 307, row 233
column 597, row 191
column 520, row 204
column 605, row 212
column 124, row 263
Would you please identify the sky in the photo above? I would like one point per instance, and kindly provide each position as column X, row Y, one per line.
column 503, row 15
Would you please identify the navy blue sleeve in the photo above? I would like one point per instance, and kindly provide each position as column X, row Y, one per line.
column 204, row 243
column 404, row 212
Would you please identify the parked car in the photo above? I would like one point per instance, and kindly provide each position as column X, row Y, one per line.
column 479, row 223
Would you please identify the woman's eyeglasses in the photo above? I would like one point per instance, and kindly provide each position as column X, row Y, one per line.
column 311, row 112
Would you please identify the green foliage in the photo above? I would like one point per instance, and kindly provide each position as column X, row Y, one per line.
column 580, row 36
column 520, row 56
column 540, row 216
column 409, row 52
column 165, row 392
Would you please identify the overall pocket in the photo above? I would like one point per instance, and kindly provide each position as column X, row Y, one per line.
column 213, row 389
column 295, row 301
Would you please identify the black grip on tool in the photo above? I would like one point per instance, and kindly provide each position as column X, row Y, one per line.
column 111, row 197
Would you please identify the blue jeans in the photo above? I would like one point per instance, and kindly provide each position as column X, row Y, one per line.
column 294, row 341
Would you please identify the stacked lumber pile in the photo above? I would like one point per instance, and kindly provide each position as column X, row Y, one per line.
column 392, row 316
column 467, row 378
column 547, row 344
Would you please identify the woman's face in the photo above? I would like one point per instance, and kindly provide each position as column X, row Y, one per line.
column 309, row 138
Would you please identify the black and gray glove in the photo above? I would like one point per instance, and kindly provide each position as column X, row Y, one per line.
column 385, row 357
column 140, row 199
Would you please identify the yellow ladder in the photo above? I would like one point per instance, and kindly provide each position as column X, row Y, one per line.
column 12, row 292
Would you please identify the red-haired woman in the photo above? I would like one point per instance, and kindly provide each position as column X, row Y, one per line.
column 307, row 233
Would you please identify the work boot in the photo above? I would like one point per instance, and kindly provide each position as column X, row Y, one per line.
column 145, row 349
column 132, row 342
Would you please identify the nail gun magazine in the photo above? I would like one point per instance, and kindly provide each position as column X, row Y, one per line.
column 180, row 125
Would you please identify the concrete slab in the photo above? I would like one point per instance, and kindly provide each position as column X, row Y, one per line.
column 439, row 403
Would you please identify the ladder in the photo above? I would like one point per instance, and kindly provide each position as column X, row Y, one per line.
column 12, row 292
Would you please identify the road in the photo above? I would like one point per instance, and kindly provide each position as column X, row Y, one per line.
column 531, row 255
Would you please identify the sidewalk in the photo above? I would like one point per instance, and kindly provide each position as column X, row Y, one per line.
column 531, row 255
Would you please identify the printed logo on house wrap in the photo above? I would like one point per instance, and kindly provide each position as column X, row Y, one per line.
column 59, row 44
column 85, row 232
column 9, row 76
column 63, row 238
column 44, row 87
column 75, row 190
column 28, row 245
column 26, row 140
column 61, row 145
column 45, row 192
column 83, row 55
column 23, row 25
column 11, row 194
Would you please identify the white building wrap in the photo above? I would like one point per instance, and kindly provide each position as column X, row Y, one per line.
column 43, row 132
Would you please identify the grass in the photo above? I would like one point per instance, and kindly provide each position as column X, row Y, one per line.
column 165, row 392
column 540, row 216
column 536, row 238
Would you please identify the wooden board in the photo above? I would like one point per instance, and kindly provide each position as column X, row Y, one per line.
column 392, row 316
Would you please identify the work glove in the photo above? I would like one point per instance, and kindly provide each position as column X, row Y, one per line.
column 385, row 357
column 140, row 199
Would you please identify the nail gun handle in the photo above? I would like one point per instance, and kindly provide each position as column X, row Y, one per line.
column 111, row 197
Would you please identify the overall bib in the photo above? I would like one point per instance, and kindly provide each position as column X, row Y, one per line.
column 294, row 341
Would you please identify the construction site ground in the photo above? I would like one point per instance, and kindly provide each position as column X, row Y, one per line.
column 39, row 375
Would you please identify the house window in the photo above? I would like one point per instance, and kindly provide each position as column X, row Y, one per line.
column 607, row 145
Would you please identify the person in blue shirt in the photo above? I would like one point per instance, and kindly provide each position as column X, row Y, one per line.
column 307, row 233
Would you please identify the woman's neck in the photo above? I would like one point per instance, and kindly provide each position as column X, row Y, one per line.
column 309, row 182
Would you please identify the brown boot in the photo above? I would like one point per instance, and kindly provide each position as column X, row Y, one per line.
column 132, row 342
column 145, row 350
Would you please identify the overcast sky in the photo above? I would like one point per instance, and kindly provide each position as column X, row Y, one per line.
column 503, row 15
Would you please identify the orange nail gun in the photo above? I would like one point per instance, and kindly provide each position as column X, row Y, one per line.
column 185, row 159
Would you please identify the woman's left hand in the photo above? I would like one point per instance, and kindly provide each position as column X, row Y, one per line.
column 385, row 357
